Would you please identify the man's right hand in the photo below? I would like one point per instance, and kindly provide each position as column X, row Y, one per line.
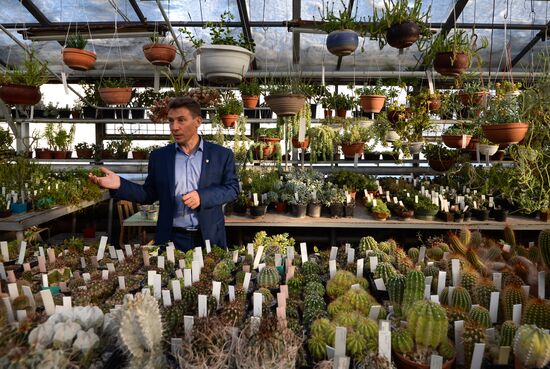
column 111, row 180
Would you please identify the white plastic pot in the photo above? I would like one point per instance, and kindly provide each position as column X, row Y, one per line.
column 222, row 64
column 392, row 136
column 415, row 147
column 487, row 150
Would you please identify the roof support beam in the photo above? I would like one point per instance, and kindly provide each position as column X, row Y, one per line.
column 541, row 35
column 451, row 19
column 35, row 12
column 350, row 9
column 296, row 15
column 247, row 32
column 138, row 11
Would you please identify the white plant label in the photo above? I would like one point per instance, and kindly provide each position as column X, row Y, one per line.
column 491, row 335
column 477, row 357
column 235, row 256
column 128, row 250
column 22, row 250
column 284, row 290
column 120, row 255
column 2, row 271
column 360, row 267
column 110, row 267
column 157, row 287
column 436, row 362
column 250, row 249
column 231, row 293
column 332, row 268
column 380, row 286
column 45, row 281
column 258, row 300
column 340, row 342
column 493, row 306
column 87, row 277
column 188, row 324
column 333, row 253
column 450, row 297
column 303, row 252
column 101, row 249
column 12, row 291
column 374, row 312
column 526, row 290
column 197, row 255
column 542, row 292
column 427, row 291
column 187, row 278
column 246, row 281
column 258, row 257
column 351, row 255
column 207, row 246
column 151, row 277
column 176, row 289
column 203, row 307
column 373, row 263
column 421, row 254
column 261, row 266
column 435, row 298
column 429, row 280
column 179, row 273
column 28, row 292
column 5, row 252
column 170, row 253
column 47, row 299
column 9, row 311
column 497, row 280
column 82, row 263
column 290, row 253
column 516, row 314
column 121, row 283
column 278, row 260
column 459, row 331
column 166, row 300
column 196, row 270
column 384, row 344
column 455, row 267
column 51, row 255
column 112, row 252
column 216, row 289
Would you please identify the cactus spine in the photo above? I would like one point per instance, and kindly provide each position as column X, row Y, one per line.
column 465, row 236
column 510, row 236
column 473, row 333
column 544, row 245
column 367, row 243
column 481, row 316
column 507, row 332
column 461, row 299
column 537, row 312
column 482, row 294
column 414, row 288
column 457, row 245
column 427, row 323
column 385, row 271
column 269, row 277
column 511, row 295
column 532, row 346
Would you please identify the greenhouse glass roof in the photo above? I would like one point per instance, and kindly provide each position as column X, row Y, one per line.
column 518, row 30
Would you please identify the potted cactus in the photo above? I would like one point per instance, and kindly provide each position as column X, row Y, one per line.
column 74, row 55
column 531, row 347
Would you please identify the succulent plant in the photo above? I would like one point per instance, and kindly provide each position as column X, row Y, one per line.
column 508, row 330
column 295, row 286
column 537, row 312
column 435, row 253
column 476, row 239
column 544, row 245
column 233, row 313
column 310, row 267
column 356, row 344
column 510, row 236
column 482, row 293
column 385, row 271
column 367, row 243
column 317, row 347
column 427, row 322
column 414, row 288
column 396, row 291
column 314, row 288
column 324, row 328
column 461, row 299
column 337, row 306
column 532, row 346
column 269, row 277
column 413, row 253
column 465, row 236
column 481, row 316
column 402, row 341
column 342, row 282
column 456, row 244
column 222, row 272
column 359, row 300
column 510, row 296
column 473, row 333
column 314, row 308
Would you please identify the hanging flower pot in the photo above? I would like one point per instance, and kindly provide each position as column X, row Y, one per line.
column 350, row 149
column 508, row 133
column 20, row 94
column 451, row 64
column 229, row 120
column 115, row 95
column 79, row 59
column 286, row 105
column 473, row 99
column 434, row 104
column 487, row 150
column 250, row 102
column 372, row 103
column 391, row 136
column 415, row 147
column 456, row 141
column 342, row 42
column 441, row 165
column 160, row 54
column 403, row 35
column 395, row 116
column 300, row 145
column 223, row 64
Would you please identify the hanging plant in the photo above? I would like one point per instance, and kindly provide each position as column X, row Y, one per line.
column 74, row 55
column 115, row 91
column 159, row 51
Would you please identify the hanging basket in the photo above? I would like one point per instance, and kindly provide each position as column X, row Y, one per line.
column 300, row 145
column 286, row 105
column 415, row 147
column 229, row 120
column 20, row 94
column 456, row 141
column 440, row 165
column 451, row 64
column 223, row 64
column 160, row 54
column 487, row 150
column 116, row 95
column 372, row 103
column 342, row 42
column 79, row 59
column 403, row 35
column 351, row 149
column 473, row 99
column 509, row 133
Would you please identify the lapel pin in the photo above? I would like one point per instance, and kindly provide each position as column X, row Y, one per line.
column 207, row 161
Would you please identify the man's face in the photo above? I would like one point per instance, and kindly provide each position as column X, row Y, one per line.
column 182, row 124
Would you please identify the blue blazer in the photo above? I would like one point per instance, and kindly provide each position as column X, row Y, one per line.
column 218, row 184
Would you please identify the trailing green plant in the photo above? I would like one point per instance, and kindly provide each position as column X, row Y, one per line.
column 338, row 20
column 322, row 145
column 355, row 133
column 456, row 42
column 115, row 83
column 32, row 72
column 250, row 88
column 6, row 139
column 438, row 152
column 229, row 105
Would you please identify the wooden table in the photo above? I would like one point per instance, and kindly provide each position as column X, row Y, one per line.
column 20, row 222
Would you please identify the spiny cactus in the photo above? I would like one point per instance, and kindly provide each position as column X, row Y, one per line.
column 482, row 293
column 269, row 277
column 512, row 279
column 295, row 285
column 457, row 245
column 481, row 316
column 324, row 328
column 435, row 253
column 544, row 245
column 537, row 312
column 310, row 267
column 396, row 290
column 367, row 327
column 461, row 299
column 385, row 271
column 342, row 282
column 414, row 288
column 494, row 253
column 507, row 332
column 317, row 347
column 314, row 288
column 413, row 253
column 367, row 243
column 509, row 236
column 475, row 260
column 402, row 341
column 473, row 333
column 447, row 350
column 469, row 279
column 534, row 254
column 359, row 300
column 385, row 247
column 347, row 319
column 141, row 331
column 465, row 236
column 233, row 313
column 314, row 308
column 427, row 323
column 532, row 346
column 454, row 315
column 510, row 296
column 222, row 272
column 476, row 239
column 356, row 344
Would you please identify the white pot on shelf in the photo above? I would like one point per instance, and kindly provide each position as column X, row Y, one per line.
column 392, row 136
column 222, row 64
column 415, row 147
column 487, row 150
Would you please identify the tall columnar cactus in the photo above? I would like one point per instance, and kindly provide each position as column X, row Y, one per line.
column 544, row 245
column 476, row 240
column 396, row 290
column 482, row 293
column 509, row 236
column 141, row 331
column 507, row 332
column 456, row 244
column 385, row 271
column 473, row 333
column 465, row 236
column 532, row 346
column 481, row 316
column 414, row 288
column 534, row 254
column 367, row 243
column 402, row 341
column 427, row 322
column 269, row 277
column 494, row 253
column 461, row 299
column 537, row 312
column 475, row 260
column 510, row 296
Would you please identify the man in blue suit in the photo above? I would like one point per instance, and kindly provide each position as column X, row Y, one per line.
column 191, row 179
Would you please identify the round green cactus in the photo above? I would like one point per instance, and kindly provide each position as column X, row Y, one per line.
column 427, row 322
column 317, row 347
column 460, row 298
column 414, row 288
column 537, row 312
column 510, row 296
column 222, row 272
column 481, row 316
column 396, row 289
column 342, row 282
column 367, row 243
column 532, row 346
column 482, row 293
column 385, row 247
column 385, row 271
column 402, row 341
column 314, row 288
column 468, row 280
column 346, row 319
column 324, row 328
column 447, row 350
column 453, row 315
column 507, row 332
column 356, row 344
column 310, row 267
column 367, row 327
column 269, row 277
column 359, row 300
column 435, row 253
column 413, row 253
column 337, row 306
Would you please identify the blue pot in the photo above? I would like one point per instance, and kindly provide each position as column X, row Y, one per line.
column 19, row 208
column 343, row 42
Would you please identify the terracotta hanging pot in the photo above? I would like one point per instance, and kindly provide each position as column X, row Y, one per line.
column 160, row 54
column 434, row 104
column 451, row 64
column 351, row 149
column 473, row 99
column 342, row 42
column 372, row 103
column 456, row 141
column 286, row 105
column 509, row 133
column 300, row 145
column 403, row 35
column 229, row 120
column 20, row 94
column 250, row 102
column 440, row 165
column 115, row 95
column 79, row 59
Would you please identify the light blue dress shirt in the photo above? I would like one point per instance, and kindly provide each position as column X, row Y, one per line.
column 187, row 174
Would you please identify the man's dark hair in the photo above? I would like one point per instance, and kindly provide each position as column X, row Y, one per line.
column 185, row 102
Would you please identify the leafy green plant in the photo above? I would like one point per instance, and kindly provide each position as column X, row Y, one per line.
column 332, row 194
column 63, row 138
column 378, row 89
column 32, row 72
column 472, row 87
column 456, row 42
column 351, row 181
column 6, row 139
column 76, row 41
column 314, row 92
column 115, row 83
column 83, row 146
column 250, row 88
column 438, row 152
column 229, row 105
column 353, row 133
column 381, row 208
column 268, row 132
column 322, row 140
column 286, row 86
column 337, row 21
column 501, row 110
column 339, row 101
